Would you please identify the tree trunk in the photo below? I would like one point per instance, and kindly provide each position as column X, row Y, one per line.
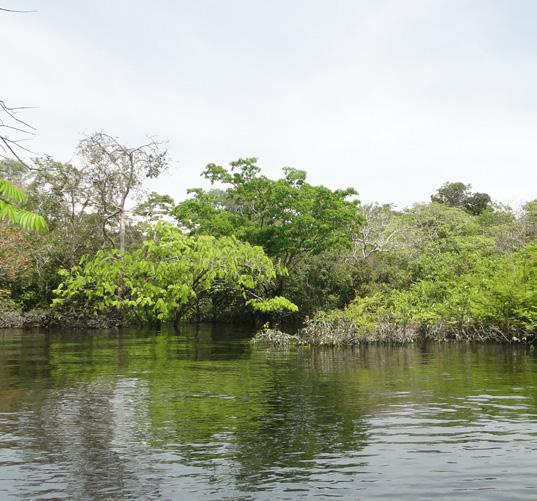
column 122, row 231
column 177, row 318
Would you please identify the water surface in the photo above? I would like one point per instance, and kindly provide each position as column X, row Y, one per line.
column 202, row 415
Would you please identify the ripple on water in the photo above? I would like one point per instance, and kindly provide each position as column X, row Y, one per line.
column 137, row 415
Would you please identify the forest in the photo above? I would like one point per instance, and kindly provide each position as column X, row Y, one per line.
column 85, row 244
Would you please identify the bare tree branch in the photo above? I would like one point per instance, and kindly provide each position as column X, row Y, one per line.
column 3, row 9
column 11, row 123
column 116, row 172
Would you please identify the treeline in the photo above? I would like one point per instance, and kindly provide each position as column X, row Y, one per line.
column 255, row 248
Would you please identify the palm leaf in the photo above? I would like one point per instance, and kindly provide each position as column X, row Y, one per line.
column 10, row 212
column 10, row 191
column 30, row 221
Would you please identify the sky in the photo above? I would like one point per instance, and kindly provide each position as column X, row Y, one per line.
column 392, row 97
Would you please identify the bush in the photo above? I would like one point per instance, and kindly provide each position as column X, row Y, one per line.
column 494, row 299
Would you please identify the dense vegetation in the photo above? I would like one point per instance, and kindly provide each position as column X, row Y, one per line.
column 251, row 247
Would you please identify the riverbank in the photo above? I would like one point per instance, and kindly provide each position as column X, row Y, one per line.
column 317, row 332
column 20, row 320
column 346, row 333
column 46, row 319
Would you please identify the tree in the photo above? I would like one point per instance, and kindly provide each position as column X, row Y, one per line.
column 115, row 172
column 155, row 208
column 62, row 194
column 460, row 195
column 14, row 259
column 293, row 220
column 528, row 220
column 380, row 230
column 275, row 308
column 288, row 217
column 476, row 203
column 166, row 277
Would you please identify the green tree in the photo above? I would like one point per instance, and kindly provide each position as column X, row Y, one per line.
column 155, row 208
column 288, row 217
column 452, row 280
column 460, row 195
column 166, row 277
column 63, row 194
column 528, row 220
column 294, row 221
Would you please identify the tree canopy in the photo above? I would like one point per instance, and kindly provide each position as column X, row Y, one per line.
column 167, row 277
column 288, row 217
column 460, row 195
column 252, row 247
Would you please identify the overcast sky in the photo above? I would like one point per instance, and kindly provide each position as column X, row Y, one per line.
column 393, row 97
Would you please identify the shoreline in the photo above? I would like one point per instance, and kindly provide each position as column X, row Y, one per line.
column 44, row 319
column 339, row 334
column 387, row 334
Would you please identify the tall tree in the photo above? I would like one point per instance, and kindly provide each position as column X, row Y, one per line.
column 116, row 172
column 380, row 230
column 289, row 217
column 460, row 195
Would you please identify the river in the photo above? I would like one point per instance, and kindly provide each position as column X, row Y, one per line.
column 203, row 415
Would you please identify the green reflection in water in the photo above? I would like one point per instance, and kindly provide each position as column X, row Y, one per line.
column 149, row 413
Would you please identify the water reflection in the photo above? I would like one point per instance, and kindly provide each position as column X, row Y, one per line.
column 202, row 415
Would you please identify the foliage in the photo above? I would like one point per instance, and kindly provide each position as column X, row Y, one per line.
column 295, row 222
column 263, row 249
column 62, row 194
column 529, row 220
column 275, row 308
column 155, row 208
column 82, row 217
column 276, row 304
column 460, row 195
column 10, row 199
column 452, row 274
column 472, row 295
column 11, row 196
column 166, row 277
column 288, row 217
column 14, row 259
